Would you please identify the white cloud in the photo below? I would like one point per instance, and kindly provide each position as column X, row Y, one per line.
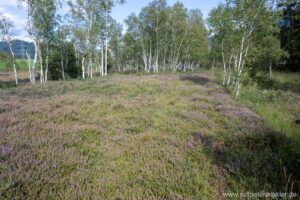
column 19, row 21
column 6, row 3
column 11, row 10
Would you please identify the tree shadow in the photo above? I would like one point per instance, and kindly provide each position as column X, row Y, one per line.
column 266, row 161
column 198, row 79
column 12, row 83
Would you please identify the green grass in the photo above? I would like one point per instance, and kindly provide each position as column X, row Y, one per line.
column 280, row 105
column 287, row 81
column 136, row 137
column 22, row 64
column 280, row 108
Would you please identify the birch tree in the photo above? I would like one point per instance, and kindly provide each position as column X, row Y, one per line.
column 46, row 23
column 115, row 44
column 83, row 22
column 34, row 33
column 91, row 19
column 169, row 37
column 6, row 34
column 235, row 25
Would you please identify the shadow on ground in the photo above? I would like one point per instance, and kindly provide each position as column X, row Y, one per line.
column 10, row 84
column 266, row 159
column 202, row 80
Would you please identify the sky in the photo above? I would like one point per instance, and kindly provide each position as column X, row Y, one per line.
column 17, row 15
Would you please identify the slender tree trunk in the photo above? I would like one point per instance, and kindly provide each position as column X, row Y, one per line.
column 106, row 49
column 235, row 69
column 157, row 52
column 91, row 66
column 239, row 69
column 156, row 62
column 83, row 67
column 34, row 62
column 164, row 60
column 47, row 62
column 178, row 52
column 145, row 60
column 29, row 65
column 67, row 58
column 41, row 65
column 229, row 70
column 270, row 69
column 106, row 41
column 88, row 69
column 102, row 60
column 14, row 63
column 118, row 56
column 98, row 63
column 62, row 65
column 243, row 56
column 224, row 64
column 150, row 60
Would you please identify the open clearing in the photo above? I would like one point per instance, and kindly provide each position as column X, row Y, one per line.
column 135, row 137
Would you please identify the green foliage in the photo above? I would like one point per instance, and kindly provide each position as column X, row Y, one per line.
column 5, row 61
column 257, row 77
column 290, row 32
column 131, row 52
column 279, row 107
column 198, row 40
column 63, row 53
column 267, row 53
column 115, row 44
column 167, row 37
column 246, row 35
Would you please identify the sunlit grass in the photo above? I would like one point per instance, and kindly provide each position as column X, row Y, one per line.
column 22, row 64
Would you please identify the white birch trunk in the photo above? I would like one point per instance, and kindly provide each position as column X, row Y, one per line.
column 106, row 49
column 47, row 63
column 157, row 51
column 235, row 69
column 14, row 63
column 34, row 62
column 41, row 64
column 91, row 67
column 62, row 65
column 175, row 66
column 106, row 41
column 229, row 70
column 224, row 63
column 270, row 70
column 29, row 65
column 150, row 60
column 243, row 56
column 83, row 67
column 98, row 63
column 102, row 61
column 145, row 58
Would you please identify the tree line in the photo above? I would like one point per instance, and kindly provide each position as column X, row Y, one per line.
column 89, row 41
column 244, row 36
column 248, row 39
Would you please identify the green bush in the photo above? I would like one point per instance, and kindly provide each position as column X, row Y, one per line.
column 259, row 78
column 72, row 70
column 5, row 61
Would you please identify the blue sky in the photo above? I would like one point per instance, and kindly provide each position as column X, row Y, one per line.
column 120, row 12
column 10, row 9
